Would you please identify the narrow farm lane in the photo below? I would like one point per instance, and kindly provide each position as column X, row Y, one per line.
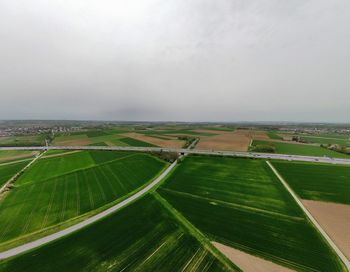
column 2, row 189
column 312, row 219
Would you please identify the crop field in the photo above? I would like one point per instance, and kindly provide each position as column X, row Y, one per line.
column 9, row 170
column 100, row 138
column 135, row 142
column 13, row 155
column 156, row 140
column 56, row 152
column 237, row 140
column 176, row 131
column 327, row 140
column 56, row 189
column 242, row 204
column 301, row 149
column 32, row 140
column 141, row 237
column 312, row 181
column 274, row 135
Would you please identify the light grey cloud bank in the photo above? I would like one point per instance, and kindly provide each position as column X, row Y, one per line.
column 190, row 60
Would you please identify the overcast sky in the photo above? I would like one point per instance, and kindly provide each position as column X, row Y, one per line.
column 184, row 60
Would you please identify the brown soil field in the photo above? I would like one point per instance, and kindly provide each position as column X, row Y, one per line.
column 249, row 262
column 211, row 131
column 259, row 135
column 237, row 140
column 16, row 157
column 76, row 142
column 334, row 218
column 156, row 141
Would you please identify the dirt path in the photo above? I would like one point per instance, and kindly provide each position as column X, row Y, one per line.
column 312, row 219
column 11, row 180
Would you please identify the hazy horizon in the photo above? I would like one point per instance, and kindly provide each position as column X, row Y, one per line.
column 184, row 61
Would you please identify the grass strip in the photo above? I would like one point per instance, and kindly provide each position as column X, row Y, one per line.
column 197, row 234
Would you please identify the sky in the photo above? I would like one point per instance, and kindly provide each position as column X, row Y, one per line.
column 175, row 60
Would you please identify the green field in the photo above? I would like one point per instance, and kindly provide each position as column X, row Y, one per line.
column 175, row 131
column 9, row 170
column 323, row 182
column 13, row 155
column 31, row 140
column 141, row 237
column 326, row 140
column 218, row 128
column 101, row 138
column 301, row 149
column 54, row 190
column 134, row 142
column 273, row 135
column 241, row 203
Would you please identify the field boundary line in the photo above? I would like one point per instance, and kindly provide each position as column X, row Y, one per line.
column 14, row 162
column 311, row 218
column 202, row 239
column 231, row 205
column 85, row 168
column 19, row 173
column 52, row 237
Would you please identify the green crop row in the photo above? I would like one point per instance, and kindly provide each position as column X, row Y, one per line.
column 241, row 203
column 50, row 195
column 9, row 170
column 312, row 181
column 301, row 149
column 141, row 237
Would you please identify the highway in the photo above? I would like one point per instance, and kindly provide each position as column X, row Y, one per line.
column 273, row 156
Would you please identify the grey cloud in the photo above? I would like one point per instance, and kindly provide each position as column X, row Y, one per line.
column 190, row 60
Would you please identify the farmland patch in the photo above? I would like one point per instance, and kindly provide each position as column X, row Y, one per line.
column 83, row 182
column 12, row 155
column 8, row 171
column 334, row 219
column 170, row 143
column 235, row 141
column 141, row 237
column 324, row 182
column 300, row 149
column 241, row 203
column 250, row 263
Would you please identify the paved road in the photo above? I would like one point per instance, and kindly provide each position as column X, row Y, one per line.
column 312, row 219
column 192, row 151
column 20, row 249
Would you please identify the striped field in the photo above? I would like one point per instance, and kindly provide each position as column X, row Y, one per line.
column 54, row 190
column 141, row 237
